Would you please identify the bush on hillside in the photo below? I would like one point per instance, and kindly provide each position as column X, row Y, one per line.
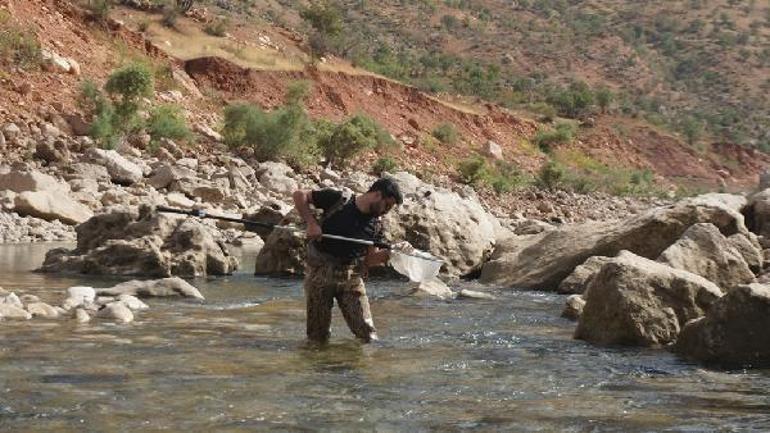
column 384, row 164
column 351, row 137
column 546, row 139
column 100, row 9
column 551, row 176
column 446, row 133
column 127, row 86
column 574, row 101
column 474, row 171
column 279, row 134
column 217, row 27
column 167, row 121
column 17, row 46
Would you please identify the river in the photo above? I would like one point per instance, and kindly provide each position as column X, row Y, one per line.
column 238, row 363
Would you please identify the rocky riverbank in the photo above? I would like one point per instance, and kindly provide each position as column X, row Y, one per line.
column 644, row 271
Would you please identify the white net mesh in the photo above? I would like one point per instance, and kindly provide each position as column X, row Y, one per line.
column 418, row 266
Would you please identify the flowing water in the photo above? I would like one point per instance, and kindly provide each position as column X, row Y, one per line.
column 238, row 363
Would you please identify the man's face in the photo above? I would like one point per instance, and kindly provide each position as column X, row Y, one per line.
column 382, row 205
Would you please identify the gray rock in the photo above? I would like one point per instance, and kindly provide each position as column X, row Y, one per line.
column 493, row 150
column 143, row 242
column 750, row 251
column 121, row 170
column 164, row 287
column 579, row 279
column 531, row 227
column 704, row 251
column 573, row 307
column 734, row 331
column 165, row 175
column 52, row 151
column 22, row 181
column 11, row 299
column 636, row 301
column 542, row 261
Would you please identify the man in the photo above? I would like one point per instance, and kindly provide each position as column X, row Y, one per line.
column 334, row 268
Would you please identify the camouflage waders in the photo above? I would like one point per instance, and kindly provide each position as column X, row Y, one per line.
column 326, row 280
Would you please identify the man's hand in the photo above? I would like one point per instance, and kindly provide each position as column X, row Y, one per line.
column 313, row 230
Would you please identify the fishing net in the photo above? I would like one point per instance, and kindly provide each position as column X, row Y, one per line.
column 417, row 265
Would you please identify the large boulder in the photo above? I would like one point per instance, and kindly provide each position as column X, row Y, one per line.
column 284, row 250
column 543, row 260
column 636, row 301
column 734, row 331
column 121, row 170
column 704, row 251
column 142, row 242
column 51, row 205
column 454, row 228
column 757, row 213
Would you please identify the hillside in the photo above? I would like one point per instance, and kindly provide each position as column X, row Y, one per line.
column 266, row 48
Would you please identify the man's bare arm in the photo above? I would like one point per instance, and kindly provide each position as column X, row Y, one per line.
column 376, row 257
column 302, row 201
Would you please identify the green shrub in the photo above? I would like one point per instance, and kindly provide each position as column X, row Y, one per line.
column 326, row 20
column 217, row 27
column 474, row 171
column 546, row 139
column 551, row 176
column 17, row 46
column 100, row 9
column 546, row 111
column 351, row 137
column 573, row 101
column 298, row 91
column 604, row 98
column 170, row 17
column 384, row 164
column 506, row 177
column 446, row 133
column 279, row 134
column 167, row 121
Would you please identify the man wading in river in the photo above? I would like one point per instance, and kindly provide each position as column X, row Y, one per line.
column 334, row 268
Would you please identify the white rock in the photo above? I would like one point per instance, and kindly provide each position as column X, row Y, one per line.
column 118, row 311
column 41, row 309
column 52, row 206
column 493, row 150
column 11, row 132
column 12, row 300
column 21, row 181
column 82, row 315
column 28, row 299
column 53, row 62
column 434, row 288
column 207, row 132
column 473, row 294
column 133, row 302
column 14, row 312
column 177, row 199
column 79, row 296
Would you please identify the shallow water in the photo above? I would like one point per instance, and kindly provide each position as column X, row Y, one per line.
column 238, row 363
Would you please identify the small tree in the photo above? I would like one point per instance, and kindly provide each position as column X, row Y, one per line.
column 604, row 98
column 351, row 137
column 127, row 86
column 692, row 129
column 326, row 20
column 446, row 133
column 167, row 121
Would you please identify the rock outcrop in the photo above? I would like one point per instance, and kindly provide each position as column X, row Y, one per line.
column 579, row 279
column 704, row 251
column 636, row 301
column 142, row 242
column 455, row 229
column 543, row 260
column 573, row 307
column 734, row 331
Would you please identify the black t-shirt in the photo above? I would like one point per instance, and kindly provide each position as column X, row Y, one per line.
column 346, row 221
